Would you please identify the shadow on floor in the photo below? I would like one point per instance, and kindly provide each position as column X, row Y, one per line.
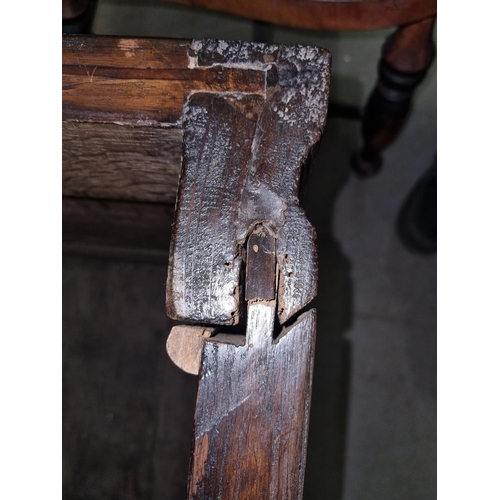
column 329, row 410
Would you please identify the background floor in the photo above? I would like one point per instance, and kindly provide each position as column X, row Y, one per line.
column 373, row 422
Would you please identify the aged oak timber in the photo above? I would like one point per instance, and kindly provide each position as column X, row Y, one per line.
column 123, row 102
column 230, row 127
column 243, row 263
column 242, row 165
column 257, row 396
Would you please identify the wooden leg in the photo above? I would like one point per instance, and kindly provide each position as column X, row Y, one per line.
column 242, row 267
column 77, row 16
column 406, row 57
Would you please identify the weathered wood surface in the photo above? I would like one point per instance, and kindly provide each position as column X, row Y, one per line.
column 243, row 253
column 127, row 411
column 332, row 15
column 252, row 412
column 140, row 81
column 123, row 103
column 121, row 162
column 241, row 166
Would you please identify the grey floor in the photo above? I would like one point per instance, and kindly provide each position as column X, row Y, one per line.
column 373, row 423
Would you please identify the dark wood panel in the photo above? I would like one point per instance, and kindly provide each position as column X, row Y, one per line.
column 250, row 115
column 116, row 229
column 123, row 105
column 121, row 162
column 127, row 409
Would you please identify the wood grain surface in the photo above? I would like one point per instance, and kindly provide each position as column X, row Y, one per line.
column 252, row 412
column 242, row 163
column 242, row 253
column 127, row 411
column 121, row 162
column 139, row 81
column 123, row 101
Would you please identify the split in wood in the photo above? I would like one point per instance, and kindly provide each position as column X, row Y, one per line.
column 185, row 343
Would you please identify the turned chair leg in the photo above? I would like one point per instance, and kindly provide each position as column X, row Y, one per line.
column 406, row 57
column 77, row 16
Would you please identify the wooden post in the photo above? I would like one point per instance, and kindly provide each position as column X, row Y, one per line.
column 243, row 256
